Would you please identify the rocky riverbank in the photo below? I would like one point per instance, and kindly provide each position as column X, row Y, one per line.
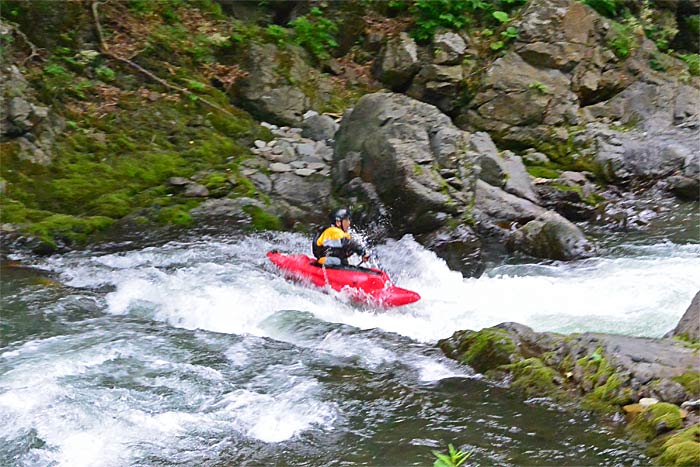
column 651, row 385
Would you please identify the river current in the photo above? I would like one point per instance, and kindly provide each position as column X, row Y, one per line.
column 198, row 353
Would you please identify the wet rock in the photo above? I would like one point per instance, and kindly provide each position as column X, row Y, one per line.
column 459, row 247
column 689, row 325
column 551, row 236
column 684, row 187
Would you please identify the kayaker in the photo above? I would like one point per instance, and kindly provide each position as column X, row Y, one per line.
column 333, row 246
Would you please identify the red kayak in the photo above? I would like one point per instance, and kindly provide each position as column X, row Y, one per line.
column 365, row 285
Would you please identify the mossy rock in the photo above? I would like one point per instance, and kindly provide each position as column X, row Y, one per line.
column 656, row 419
column 690, row 382
column 534, row 378
column 484, row 350
column 680, row 449
column 262, row 220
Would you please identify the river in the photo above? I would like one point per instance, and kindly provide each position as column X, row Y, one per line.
column 197, row 352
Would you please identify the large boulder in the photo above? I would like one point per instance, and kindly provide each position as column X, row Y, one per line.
column 397, row 62
column 502, row 169
column 280, row 85
column 412, row 154
column 689, row 325
column 551, row 236
column 526, row 227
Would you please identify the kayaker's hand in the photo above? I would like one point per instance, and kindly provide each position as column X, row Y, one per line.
column 365, row 258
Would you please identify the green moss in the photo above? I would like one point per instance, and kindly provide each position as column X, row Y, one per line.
column 175, row 215
column 263, row 220
column 644, row 426
column 533, row 377
column 114, row 205
column 686, row 453
column 542, row 172
column 671, row 454
column 67, row 228
column 690, row 382
column 486, row 349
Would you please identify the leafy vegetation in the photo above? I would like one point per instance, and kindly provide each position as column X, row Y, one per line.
column 453, row 458
column 315, row 33
column 429, row 15
column 608, row 8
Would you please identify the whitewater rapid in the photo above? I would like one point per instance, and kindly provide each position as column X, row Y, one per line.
column 229, row 287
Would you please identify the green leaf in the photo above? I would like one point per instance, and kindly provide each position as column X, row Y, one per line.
column 501, row 16
column 498, row 45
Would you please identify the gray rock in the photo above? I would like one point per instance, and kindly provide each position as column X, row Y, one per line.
column 316, row 166
column 195, row 190
column 319, row 127
column 297, row 164
column 535, row 157
column 392, row 141
column 280, row 167
column 178, row 181
column 306, row 149
column 261, row 181
column 448, row 48
column 689, row 325
column 304, row 192
column 397, row 62
column 684, row 187
column 495, row 206
column 304, row 172
column 669, row 391
column 551, row 236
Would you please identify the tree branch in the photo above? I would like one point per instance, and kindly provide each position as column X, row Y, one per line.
column 105, row 51
column 33, row 48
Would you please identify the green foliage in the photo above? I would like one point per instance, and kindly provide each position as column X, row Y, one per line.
column 451, row 14
column 622, row 41
column 501, row 16
column 497, row 45
column 105, row 73
column 511, row 32
column 175, row 215
column 693, row 23
column 542, row 88
column 693, row 61
column 608, row 8
column 690, row 382
column 277, row 34
column 453, row 458
column 542, row 172
column 315, row 33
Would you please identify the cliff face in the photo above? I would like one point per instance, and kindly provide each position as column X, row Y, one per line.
column 133, row 115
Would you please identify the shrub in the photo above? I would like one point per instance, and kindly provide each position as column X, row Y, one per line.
column 315, row 33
